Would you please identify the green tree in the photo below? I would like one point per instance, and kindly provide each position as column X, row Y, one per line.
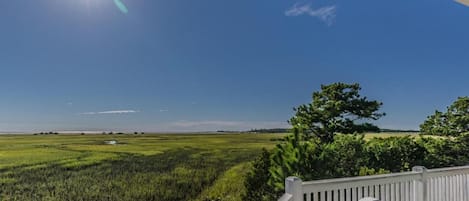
column 337, row 108
column 294, row 157
column 451, row 123
column 256, row 183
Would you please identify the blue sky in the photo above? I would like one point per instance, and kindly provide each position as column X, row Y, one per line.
column 180, row 65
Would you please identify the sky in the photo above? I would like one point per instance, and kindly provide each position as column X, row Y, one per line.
column 184, row 65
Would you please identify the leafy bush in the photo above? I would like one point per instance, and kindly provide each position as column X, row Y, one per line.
column 351, row 155
column 343, row 157
column 395, row 153
column 446, row 152
column 311, row 160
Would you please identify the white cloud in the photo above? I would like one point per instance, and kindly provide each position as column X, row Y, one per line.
column 118, row 112
column 164, row 110
column 110, row 112
column 204, row 123
column 327, row 13
column 213, row 125
column 88, row 113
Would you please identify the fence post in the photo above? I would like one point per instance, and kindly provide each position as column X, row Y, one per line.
column 293, row 186
column 420, row 186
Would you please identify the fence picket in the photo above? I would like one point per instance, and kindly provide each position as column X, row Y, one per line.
column 443, row 184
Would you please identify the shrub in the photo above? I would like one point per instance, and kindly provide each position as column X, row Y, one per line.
column 256, row 183
column 351, row 155
column 395, row 154
column 343, row 157
column 294, row 157
column 311, row 160
column 446, row 152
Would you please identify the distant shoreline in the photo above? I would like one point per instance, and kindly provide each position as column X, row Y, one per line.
column 252, row 131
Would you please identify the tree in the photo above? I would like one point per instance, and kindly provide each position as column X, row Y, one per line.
column 452, row 123
column 257, row 188
column 336, row 109
column 294, row 157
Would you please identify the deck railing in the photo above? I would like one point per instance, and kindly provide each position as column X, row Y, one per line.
column 421, row 184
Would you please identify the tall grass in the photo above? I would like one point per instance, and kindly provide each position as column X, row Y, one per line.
column 152, row 167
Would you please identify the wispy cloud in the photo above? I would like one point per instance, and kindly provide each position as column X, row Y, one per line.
column 213, row 125
column 110, row 112
column 327, row 13
column 118, row 112
column 88, row 113
column 164, row 110
column 204, row 123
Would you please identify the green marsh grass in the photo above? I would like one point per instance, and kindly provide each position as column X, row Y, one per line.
column 140, row 167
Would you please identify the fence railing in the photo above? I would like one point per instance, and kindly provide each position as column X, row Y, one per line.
column 421, row 184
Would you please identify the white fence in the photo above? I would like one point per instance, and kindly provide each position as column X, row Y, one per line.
column 444, row 184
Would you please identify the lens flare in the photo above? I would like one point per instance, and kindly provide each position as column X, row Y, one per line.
column 121, row 6
column 464, row 2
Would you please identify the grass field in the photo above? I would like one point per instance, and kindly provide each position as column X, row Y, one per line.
column 140, row 167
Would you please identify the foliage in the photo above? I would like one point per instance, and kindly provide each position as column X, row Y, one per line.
column 395, row 153
column 451, row 123
column 343, row 157
column 310, row 160
column 352, row 155
column 317, row 151
column 365, row 171
column 445, row 152
column 336, row 109
column 295, row 157
column 256, row 183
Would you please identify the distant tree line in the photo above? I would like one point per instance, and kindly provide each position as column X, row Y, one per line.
column 82, row 133
column 270, row 130
column 121, row 133
column 46, row 133
column 398, row 130
column 261, row 130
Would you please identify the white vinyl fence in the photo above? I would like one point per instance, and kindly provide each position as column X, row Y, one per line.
column 421, row 184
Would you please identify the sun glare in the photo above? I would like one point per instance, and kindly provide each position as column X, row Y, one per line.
column 93, row 3
column 97, row 4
